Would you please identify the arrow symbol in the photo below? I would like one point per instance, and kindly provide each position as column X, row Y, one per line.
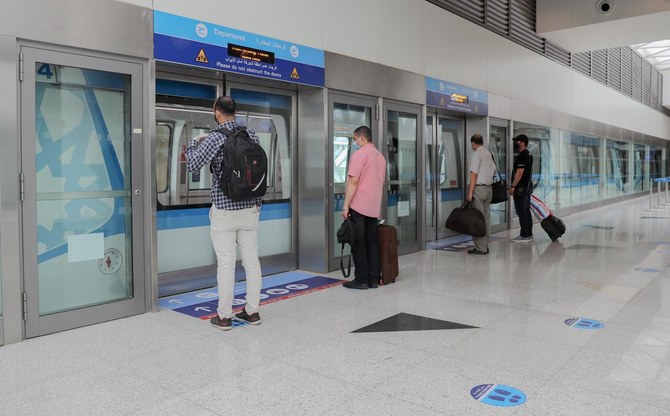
column 202, row 308
column 175, row 301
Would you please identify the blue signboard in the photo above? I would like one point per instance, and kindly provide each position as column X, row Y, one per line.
column 456, row 97
column 193, row 42
column 498, row 395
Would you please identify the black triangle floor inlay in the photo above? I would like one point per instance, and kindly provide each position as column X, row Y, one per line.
column 409, row 322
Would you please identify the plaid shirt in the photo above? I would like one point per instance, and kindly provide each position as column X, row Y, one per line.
column 209, row 151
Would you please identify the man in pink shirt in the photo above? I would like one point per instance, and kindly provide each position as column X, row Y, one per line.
column 362, row 205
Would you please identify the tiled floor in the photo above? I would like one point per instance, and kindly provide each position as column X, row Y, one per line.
column 611, row 266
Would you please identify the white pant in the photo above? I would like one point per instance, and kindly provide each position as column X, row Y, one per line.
column 228, row 228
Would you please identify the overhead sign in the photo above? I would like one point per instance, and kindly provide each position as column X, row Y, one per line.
column 456, row 97
column 193, row 42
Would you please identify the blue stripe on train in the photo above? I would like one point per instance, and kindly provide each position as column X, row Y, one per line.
column 199, row 217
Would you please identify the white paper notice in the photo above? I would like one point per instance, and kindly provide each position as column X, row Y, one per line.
column 403, row 208
column 85, row 247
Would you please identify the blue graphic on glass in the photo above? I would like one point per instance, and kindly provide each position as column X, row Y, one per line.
column 498, row 395
column 584, row 323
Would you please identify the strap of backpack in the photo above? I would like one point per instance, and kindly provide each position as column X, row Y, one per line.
column 226, row 132
column 348, row 272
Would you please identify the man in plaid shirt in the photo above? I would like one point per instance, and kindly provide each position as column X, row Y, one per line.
column 232, row 222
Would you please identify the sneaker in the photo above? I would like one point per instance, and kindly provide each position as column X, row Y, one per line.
column 374, row 284
column 224, row 324
column 520, row 239
column 253, row 319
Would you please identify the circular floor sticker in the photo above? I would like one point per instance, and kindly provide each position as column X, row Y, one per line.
column 584, row 323
column 498, row 395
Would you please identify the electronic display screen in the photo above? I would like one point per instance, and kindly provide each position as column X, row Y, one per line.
column 251, row 54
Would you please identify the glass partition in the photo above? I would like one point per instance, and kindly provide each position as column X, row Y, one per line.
column 572, row 169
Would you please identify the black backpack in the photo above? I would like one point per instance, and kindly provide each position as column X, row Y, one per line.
column 245, row 165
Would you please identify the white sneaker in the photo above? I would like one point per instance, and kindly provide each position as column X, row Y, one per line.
column 520, row 239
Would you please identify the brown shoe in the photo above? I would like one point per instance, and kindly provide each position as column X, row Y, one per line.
column 253, row 319
column 224, row 324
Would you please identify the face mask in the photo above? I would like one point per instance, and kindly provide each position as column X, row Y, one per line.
column 355, row 145
column 516, row 147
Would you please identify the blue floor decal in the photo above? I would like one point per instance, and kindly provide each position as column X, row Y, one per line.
column 646, row 269
column 584, row 323
column 498, row 395
column 202, row 304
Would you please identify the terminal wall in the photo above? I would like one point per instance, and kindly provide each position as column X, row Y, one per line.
column 420, row 37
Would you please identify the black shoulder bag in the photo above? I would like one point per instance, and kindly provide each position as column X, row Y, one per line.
column 346, row 235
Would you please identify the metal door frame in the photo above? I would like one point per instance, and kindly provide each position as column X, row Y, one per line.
column 431, row 231
column 392, row 105
column 285, row 261
column 36, row 325
column 354, row 99
column 437, row 116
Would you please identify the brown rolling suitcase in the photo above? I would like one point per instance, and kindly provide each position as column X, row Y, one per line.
column 388, row 253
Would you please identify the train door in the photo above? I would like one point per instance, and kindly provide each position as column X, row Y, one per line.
column 81, row 171
column 271, row 113
column 347, row 112
column 184, row 110
column 403, row 210
column 498, row 143
column 444, row 172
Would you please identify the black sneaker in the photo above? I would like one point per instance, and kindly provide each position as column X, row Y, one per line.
column 353, row 284
column 374, row 284
column 224, row 324
column 253, row 319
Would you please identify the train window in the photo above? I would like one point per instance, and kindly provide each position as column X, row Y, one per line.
column 270, row 115
column 340, row 158
column 266, row 132
column 346, row 118
column 163, row 135
column 449, row 153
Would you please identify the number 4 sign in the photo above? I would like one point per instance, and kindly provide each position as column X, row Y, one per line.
column 46, row 73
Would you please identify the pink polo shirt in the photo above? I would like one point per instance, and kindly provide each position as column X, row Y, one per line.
column 369, row 166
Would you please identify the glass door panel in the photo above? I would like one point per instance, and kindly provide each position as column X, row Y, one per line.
column 270, row 113
column 401, row 133
column 80, row 231
column 498, row 146
column 347, row 114
column 83, row 189
column 449, row 170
